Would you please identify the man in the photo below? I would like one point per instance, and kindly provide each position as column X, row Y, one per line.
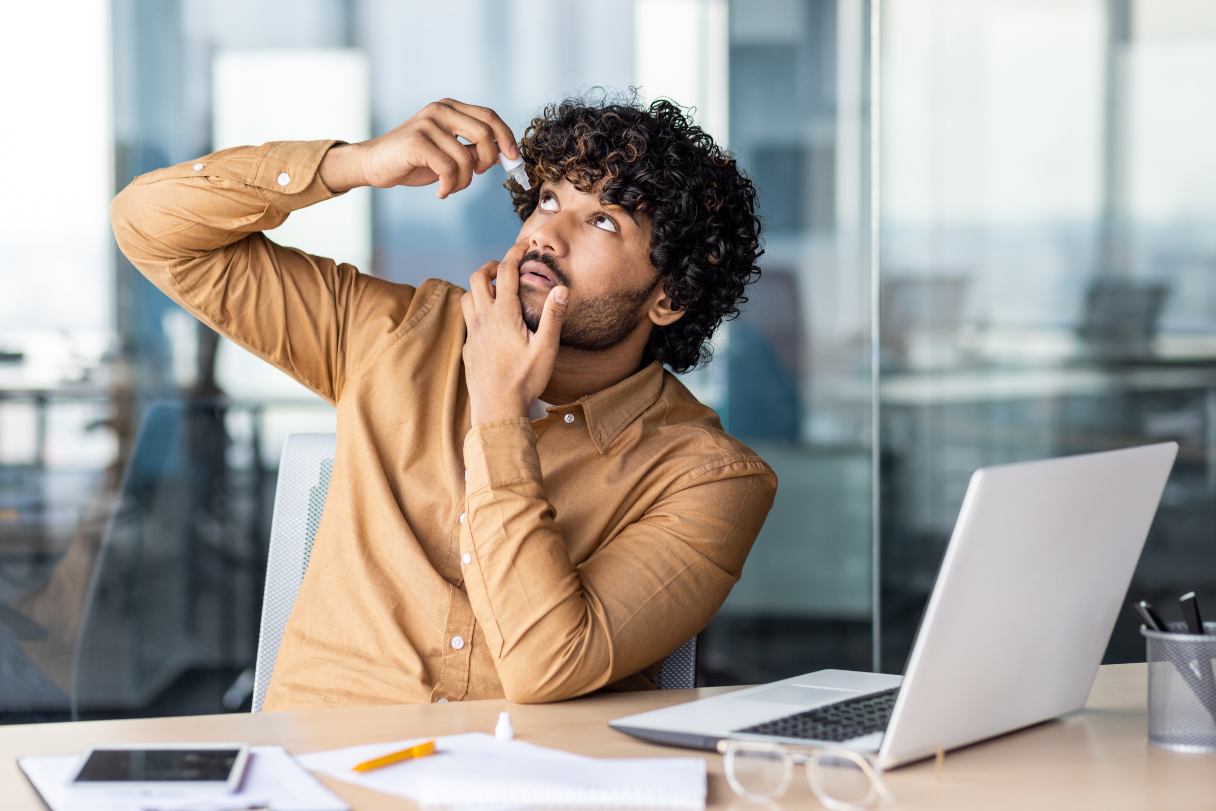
column 524, row 503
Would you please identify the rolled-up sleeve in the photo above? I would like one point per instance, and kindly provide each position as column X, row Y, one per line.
column 194, row 230
column 557, row 630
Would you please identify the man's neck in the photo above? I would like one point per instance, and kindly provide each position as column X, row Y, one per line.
column 577, row 373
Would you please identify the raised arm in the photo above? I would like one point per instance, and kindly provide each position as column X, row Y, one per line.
column 195, row 230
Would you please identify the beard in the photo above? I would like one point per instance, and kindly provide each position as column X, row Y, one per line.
column 595, row 324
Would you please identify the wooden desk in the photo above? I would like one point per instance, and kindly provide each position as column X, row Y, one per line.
column 1096, row 758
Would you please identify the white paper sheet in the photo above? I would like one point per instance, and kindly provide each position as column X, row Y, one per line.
column 477, row 770
column 272, row 778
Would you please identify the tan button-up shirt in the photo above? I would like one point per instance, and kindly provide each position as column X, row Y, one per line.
column 536, row 559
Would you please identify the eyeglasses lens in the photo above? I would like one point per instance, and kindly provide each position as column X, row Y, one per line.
column 842, row 779
column 759, row 773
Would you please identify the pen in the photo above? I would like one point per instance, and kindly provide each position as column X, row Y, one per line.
column 1149, row 617
column 1190, row 613
column 419, row 750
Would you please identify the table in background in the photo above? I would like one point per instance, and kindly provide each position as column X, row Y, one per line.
column 1096, row 758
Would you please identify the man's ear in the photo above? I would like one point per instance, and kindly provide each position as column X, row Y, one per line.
column 661, row 312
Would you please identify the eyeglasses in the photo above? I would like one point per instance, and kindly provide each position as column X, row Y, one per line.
column 841, row 779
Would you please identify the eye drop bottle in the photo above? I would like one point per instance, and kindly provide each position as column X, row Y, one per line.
column 515, row 170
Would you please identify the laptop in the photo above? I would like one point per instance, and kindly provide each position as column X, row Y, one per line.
column 1025, row 601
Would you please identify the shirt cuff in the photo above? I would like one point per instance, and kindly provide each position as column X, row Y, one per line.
column 501, row 453
column 287, row 171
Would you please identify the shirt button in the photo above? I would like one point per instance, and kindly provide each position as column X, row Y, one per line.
column 457, row 642
column 466, row 558
column 461, row 518
column 569, row 418
column 198, row 167
column 284, row 179
column 441, row 700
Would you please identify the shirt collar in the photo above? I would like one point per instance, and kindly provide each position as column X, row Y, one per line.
column 610, row 410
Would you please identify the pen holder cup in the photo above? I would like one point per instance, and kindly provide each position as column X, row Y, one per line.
column 1182, row 688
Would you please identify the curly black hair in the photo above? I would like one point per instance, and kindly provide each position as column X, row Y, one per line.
column 705, row 231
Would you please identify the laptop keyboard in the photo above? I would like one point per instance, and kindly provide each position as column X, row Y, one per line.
column 841, row 721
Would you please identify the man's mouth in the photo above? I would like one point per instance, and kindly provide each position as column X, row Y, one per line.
column 537, row 273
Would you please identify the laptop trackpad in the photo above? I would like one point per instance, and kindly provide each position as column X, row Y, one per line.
column 799, row 696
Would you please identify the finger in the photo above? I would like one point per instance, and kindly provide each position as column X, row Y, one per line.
column 455, row 150
column 549, row 331
column 479, row 286
column 466, row 307
column 480, row 137
column 502, row 133
column 446, row 170
column 508, row 270
column 474, row 151
column 480, row 134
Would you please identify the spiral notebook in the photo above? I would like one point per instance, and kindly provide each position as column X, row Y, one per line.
column 476, row 769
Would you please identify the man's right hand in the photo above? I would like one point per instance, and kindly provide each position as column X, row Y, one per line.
column 424, row 149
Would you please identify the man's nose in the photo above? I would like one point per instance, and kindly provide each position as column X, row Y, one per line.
column 547, row 239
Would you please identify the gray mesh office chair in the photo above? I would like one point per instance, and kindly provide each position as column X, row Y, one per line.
column 304, row 473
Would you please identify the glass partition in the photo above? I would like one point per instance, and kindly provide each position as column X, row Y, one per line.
column 139, row 450
column 1046, row 269
column 792, row 376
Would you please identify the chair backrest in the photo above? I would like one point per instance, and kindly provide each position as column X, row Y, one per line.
column 299, row 499
column 679, row 670
column 304, row 474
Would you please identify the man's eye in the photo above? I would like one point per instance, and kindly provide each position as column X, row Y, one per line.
column 545, row 197
column 600, row 218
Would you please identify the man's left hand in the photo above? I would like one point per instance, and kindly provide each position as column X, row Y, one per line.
column 506, row 365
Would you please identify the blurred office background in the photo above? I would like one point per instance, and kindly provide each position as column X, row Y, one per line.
column 989, row 238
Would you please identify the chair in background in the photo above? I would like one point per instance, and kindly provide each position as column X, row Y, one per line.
column 305, row 470
column 133, row 639
column 1122, row 317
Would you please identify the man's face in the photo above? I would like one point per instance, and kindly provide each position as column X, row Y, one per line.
column 601, row 254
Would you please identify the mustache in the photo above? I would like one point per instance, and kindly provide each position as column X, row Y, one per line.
column 548, row 261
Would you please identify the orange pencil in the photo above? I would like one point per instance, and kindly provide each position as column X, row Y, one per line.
column 420, row 750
